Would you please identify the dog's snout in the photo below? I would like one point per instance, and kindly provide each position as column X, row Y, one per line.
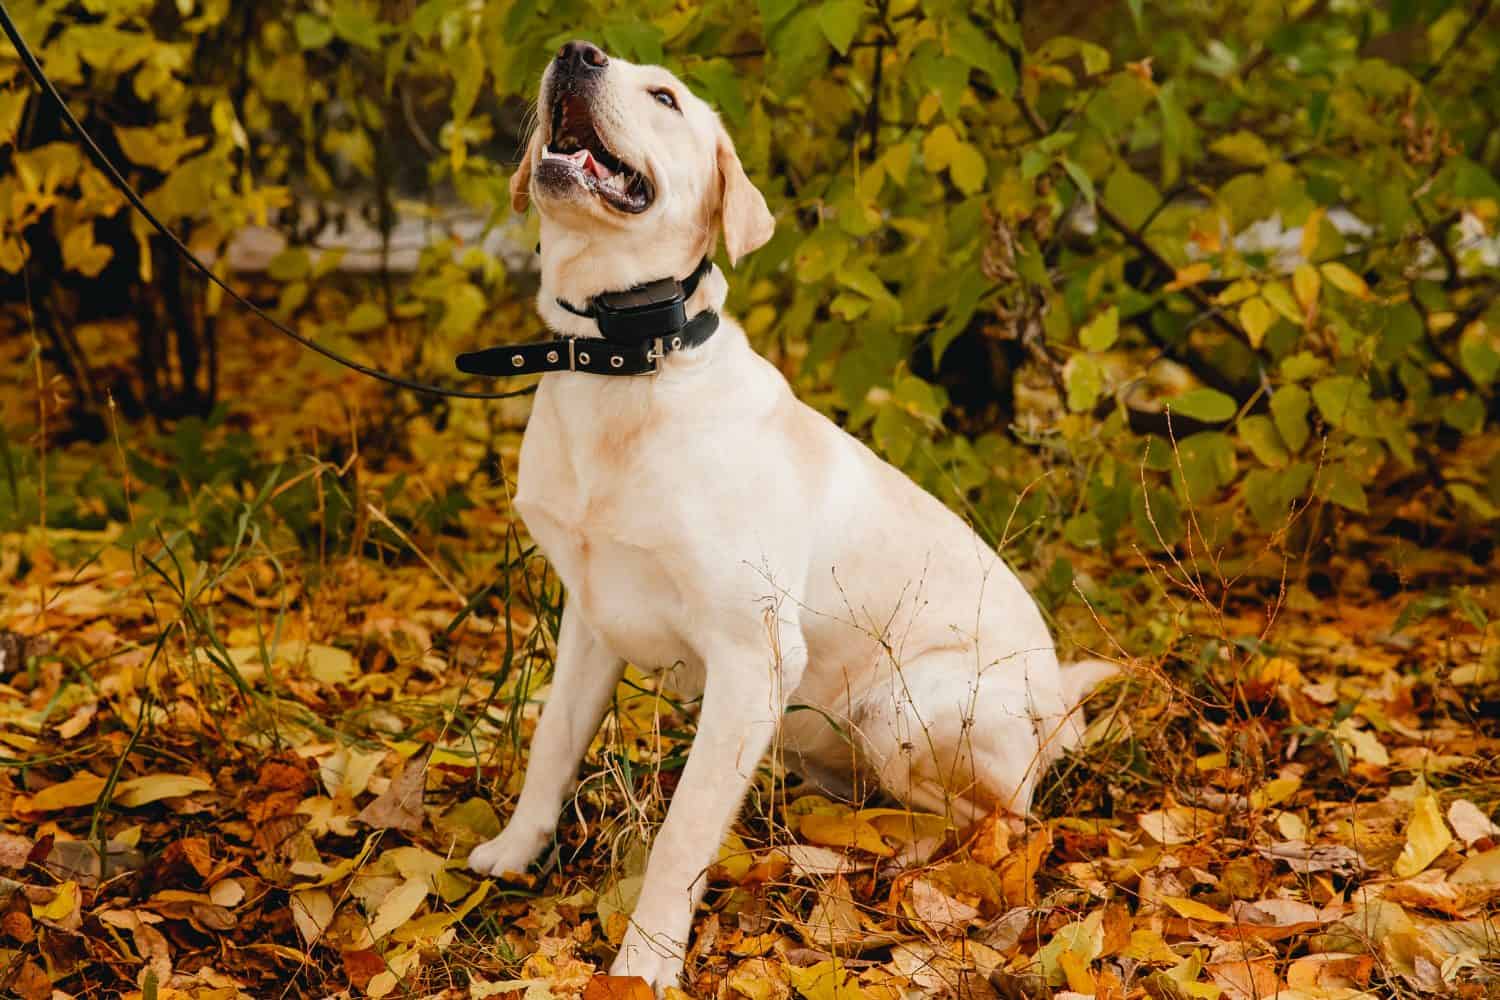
column 580, row 56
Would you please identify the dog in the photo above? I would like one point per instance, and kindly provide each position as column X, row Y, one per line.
column 705, row 521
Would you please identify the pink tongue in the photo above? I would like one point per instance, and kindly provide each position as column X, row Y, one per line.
column 594, row 167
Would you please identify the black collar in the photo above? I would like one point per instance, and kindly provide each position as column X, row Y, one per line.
column 638, row 327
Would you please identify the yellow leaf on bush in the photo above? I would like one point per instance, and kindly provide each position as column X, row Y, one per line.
column 846, row 830
column 1190, row 275
column 1256, row 317
column 1306, row 285
column 1427, row 836
column 80, row 253
column 1345, row 280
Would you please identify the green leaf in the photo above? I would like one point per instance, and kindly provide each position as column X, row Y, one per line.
column 1207, row 405
column 1289, row 406
column 312, row 32
column 1100, row 333
column 356, row 27
column 1270, row 493
column 1132, row 196
column 366, row 316
column 969, row 43
column 1080, row 178
column 1084, row 381
column 1265, row 443
column 1343, row 400
column 840, row 21
column 1465, row 413
column 1338, row 484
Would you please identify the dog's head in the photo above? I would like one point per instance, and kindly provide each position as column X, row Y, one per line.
column 629, row 149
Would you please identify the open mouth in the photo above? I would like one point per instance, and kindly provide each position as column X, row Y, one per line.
column 577, row 148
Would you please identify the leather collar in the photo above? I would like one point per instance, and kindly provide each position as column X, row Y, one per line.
column 638, row 327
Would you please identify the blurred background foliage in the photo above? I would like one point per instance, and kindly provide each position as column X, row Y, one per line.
column 1188, row 277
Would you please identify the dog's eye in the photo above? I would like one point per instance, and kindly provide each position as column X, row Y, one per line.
column 665, row 97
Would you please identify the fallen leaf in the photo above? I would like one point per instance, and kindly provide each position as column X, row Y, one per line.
column 399, row 906
column 934, row 907
column 1470, row 822
column 844, row 830
column 312, row 912
column 84, row 790
column 760, row 979
column 1307, row 859
column 1427, row 836
column 1178, row 824
column 809, row 861
column 62, row 909
column 604, row 987
column 399, row 807
column 155, row 787
column 1194, row 910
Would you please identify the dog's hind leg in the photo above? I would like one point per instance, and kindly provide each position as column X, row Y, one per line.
column 947, row 738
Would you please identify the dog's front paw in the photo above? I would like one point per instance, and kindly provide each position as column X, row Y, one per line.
column 654, row 958
column 512, row 851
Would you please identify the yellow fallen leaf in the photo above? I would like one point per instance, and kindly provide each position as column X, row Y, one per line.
column 905, row 825
column 1147, row 945
column 80, row 791
column 825, row 981
column 734, row 857
column 1427, row 836
column 329, row 664
column 757, row 979
column 154, row 787
column 846, row 830
column 61, row 906
column 1076, row 971
column 399, row 906
column 1194, row 910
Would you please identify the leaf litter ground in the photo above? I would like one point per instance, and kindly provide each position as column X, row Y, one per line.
column 283, row 713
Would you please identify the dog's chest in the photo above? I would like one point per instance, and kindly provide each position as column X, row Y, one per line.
column 599, row 518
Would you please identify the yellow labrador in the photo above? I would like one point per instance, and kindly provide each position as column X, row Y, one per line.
column 703, row 520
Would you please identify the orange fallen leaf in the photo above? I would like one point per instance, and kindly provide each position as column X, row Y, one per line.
column 603, row 987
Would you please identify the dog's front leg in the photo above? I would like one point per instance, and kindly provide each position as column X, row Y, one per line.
column 582, row 683
column 743, row 700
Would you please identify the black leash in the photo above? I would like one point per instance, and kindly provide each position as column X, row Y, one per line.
column 44, row 83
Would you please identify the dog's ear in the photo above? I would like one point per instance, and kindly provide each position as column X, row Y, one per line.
column 520, row 181
column 748, row 223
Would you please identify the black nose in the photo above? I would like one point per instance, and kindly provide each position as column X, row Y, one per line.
column 584, row 56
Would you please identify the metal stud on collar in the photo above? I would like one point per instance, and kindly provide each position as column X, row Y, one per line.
column 616, row 361
column 517, row 360
column 552, row 356
column 583, row 358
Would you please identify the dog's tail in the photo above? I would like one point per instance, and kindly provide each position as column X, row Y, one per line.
column 1078, row 680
